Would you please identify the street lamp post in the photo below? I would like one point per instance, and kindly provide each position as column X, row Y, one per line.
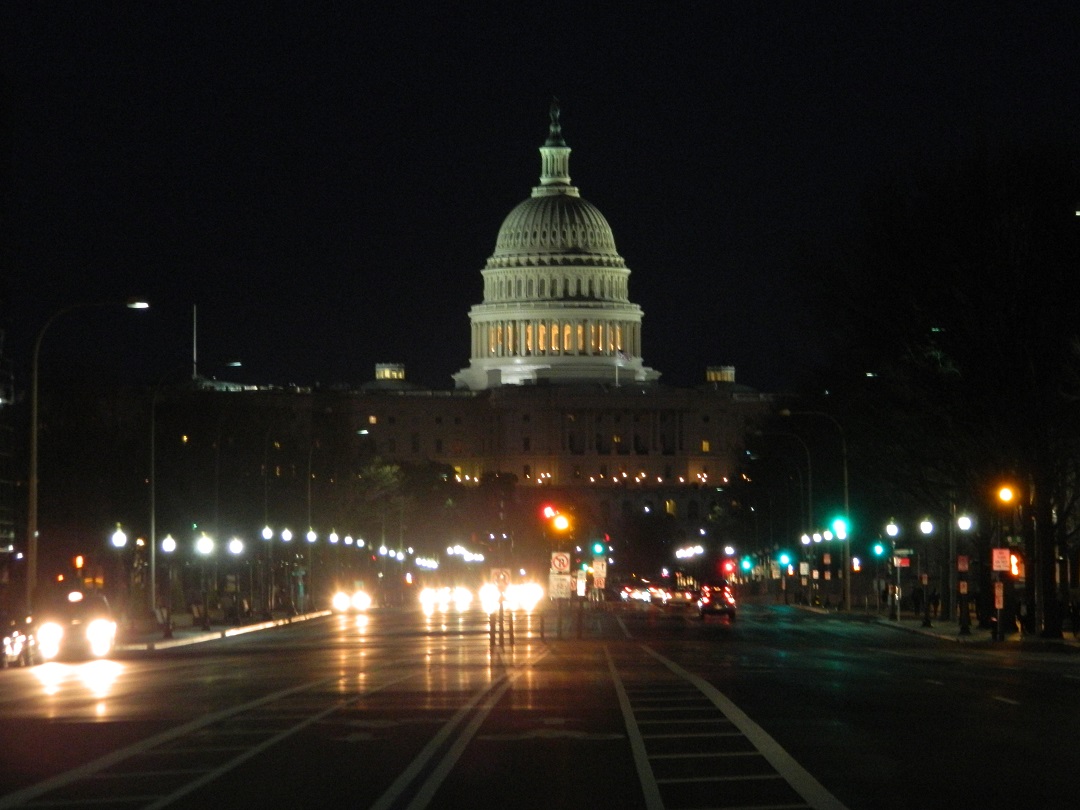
column 927, row 528
column 119, row 542
column 168, row 546
column 892, row 530
column 205, row 547
column 32, row 482
column 268, row 536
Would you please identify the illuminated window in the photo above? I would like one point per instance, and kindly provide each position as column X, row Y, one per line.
column 567, row 336
column 373, row 420
column 669, row 507
column 541, row 337
column 554, row 336
column 528, row 339
column 580, row 338
column 704, row 445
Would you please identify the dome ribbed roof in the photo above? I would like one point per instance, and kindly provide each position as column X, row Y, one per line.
column 555, row 223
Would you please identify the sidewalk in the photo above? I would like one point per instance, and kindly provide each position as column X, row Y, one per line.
column 149, row 635
column 950, row 631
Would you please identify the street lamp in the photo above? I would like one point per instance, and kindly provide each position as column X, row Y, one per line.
column 926, row 526
column 236, row 548
column 205, row 547
column 168, row 546
column 32, row 482
column 268, row 536
column 893, row 531
column 119, row 539
column 310, row 591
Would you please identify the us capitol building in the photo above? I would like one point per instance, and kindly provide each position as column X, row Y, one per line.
column 556, row 391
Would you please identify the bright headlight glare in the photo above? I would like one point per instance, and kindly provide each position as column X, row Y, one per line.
column 361, row 601
column 49, row 636
column 100, row 634
column 340, row 601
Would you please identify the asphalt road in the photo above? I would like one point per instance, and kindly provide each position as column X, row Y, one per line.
column 649, row 707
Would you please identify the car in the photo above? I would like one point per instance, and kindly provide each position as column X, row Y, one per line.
column 350, row 601
column 717, row 599
column 74, row 626
column 18, row 635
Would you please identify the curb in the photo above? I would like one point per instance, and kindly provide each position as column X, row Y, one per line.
column 158, row 643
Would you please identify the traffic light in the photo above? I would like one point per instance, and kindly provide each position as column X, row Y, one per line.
column 784, row 558
column 879, row 549
column 840, row 527
column 598, row 548
column 747, row 564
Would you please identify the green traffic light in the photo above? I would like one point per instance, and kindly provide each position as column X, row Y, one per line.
column 840, row 528
column 879, row 549
column 785, row 559
column 747, row 564
column 598, row 548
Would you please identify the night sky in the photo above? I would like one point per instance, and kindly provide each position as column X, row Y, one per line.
column 324, row 182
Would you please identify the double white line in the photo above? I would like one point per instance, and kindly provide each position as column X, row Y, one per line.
column 490, row 695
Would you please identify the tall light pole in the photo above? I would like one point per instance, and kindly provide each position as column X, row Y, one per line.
column 32, row 482
column 847, row 503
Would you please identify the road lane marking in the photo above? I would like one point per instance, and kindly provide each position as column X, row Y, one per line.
column 1010, row 701
column 493, row 692
column 800, row 779
column 649, row 787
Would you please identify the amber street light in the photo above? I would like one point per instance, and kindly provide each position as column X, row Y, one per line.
column 32, row 483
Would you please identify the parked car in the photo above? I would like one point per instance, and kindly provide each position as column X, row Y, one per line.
column 74, row 626
column 716, row 598
column 18, row 648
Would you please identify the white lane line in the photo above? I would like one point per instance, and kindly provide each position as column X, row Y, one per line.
column 649, row 787
column 21, row 797
column 253, row 751
column 494, row 691
column 800, row 779
column 1010, row 701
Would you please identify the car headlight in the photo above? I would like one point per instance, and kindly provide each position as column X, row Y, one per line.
column 340, row 602
column 49, row 636
column 361, row 600
column 100, row 635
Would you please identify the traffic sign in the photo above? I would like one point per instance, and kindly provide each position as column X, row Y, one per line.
column 1000, row 560
column 501, row 577
column 599, row 567
column 560, row 561
column 559, row 586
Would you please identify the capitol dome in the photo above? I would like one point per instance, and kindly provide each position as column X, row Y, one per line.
column 562, row 225
column 556, row 305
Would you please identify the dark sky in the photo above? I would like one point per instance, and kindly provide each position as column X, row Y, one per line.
column 325, row 181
